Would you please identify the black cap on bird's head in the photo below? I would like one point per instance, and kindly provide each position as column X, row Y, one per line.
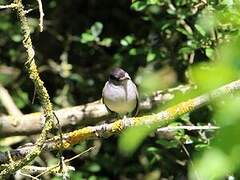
column 118, row 74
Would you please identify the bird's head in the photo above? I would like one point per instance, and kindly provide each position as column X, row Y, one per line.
column 118, row 76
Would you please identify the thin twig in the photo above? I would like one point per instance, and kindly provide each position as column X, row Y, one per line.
column 198, row 6
column 40, row 7
column 61, row 159
column 191, row 57
column 190, row 160
column 67, row 160
column 34, row 95
column 27, row 175
column 29, row 10
column 186, row 26
column 12, row 5
column 78, row 155
column 189, row 128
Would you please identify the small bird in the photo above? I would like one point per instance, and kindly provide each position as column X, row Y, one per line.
column 120, row 94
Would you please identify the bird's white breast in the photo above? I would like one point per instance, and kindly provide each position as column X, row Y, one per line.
column 121, row 99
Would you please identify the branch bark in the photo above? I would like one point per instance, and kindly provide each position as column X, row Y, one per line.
column 88, row 114
column 162, row 119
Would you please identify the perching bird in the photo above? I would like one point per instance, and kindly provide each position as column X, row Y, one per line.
column 120, row 94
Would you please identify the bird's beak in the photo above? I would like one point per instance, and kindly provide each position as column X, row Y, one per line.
column 126, row 76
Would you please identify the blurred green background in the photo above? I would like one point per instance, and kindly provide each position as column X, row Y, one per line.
column 162, row 44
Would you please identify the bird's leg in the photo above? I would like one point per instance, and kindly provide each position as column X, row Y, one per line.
column 124, row 117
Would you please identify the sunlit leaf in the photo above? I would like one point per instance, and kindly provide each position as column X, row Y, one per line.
column 96, row 29
column 138, row 5
column 87, row 37
column 127, row 40
column 105, row 42
column 20, row 98
column 214, row 164
column 94, row 167
column 209, row 76
column 200, row 29
column 151, row 56
column 209, row 52
column 131, row 138
column 151, row 81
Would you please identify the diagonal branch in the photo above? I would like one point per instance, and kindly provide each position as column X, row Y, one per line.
column 87, row 114
column 102, row 131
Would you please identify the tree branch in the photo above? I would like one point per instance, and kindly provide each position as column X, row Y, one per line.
column 87, row 114
column 8, row 102
column 102, row 131
column 40, row 89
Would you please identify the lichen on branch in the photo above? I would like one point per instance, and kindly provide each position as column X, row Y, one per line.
column 40, row 90
column 84, row 115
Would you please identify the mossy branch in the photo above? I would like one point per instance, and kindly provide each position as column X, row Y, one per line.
column 160, row 119
column 87, row 114
column 40, row 89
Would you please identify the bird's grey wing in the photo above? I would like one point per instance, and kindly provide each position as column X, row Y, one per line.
column 135, row 111
column 104, row 102
column 106, row 106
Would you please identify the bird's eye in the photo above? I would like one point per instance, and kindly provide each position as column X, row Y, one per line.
column 114, row 78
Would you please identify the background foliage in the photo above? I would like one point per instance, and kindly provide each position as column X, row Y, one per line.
column 161, row 43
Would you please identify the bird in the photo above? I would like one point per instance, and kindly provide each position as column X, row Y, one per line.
column 120, row 94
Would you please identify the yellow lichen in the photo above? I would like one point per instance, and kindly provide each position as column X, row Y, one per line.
column 77, row 136
column 138, row 120
column 117, row 126
column 180, row 109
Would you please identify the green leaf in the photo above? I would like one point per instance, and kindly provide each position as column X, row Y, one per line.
column 76, row 175
column 20, row 98
column 152, row 149
column 133, row 51
column 16, row 37
column 151, row 56
column 87, row 37
column 217, row 162
column 131, row 138
column 105, row 42
column 139, row 5
column 167, row 144
column 93, row 177
column 209, row 52
column 127, row 40
column 200, row 29
column 183, row 31
column 211, row 75
column 94, row 167
column 185, row 117
column 96, row 29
